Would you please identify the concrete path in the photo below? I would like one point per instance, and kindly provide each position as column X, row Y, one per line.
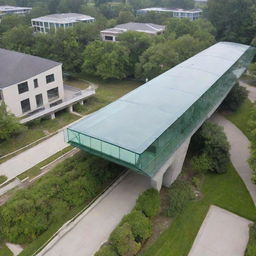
column 250, row 89
column 15, row 248
column 96, row 224
column 221, row 234
column 239, row 152
column 29, row 158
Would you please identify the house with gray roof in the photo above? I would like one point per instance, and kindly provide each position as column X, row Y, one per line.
column 29, row 83
column 59, row 20
column 8, row 9
column 111, row 34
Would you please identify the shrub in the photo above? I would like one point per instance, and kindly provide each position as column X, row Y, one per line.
column 201, row 163
column 211, row 141
column 149, row 203
column 251, row 247
column 140, row 225
column 123, row 241
column 106, row 250
column 179, row 194
column 70, row 185
column 235, row 98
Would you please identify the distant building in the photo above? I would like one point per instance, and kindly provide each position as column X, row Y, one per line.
column 28, row 83
column 7, row 9
column 201, row 1
column 60, row 20
column 111, row 34
column 192, row 14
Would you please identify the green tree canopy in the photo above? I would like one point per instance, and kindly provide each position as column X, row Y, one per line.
column 233, row 19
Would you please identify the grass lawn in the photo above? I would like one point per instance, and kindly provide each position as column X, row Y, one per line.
column 36, row 130
column 5, row 251
column 107, row 92
column 241, row 116
column 226, row 191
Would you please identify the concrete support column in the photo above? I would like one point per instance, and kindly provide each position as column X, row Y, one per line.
column 171, row 169
column 70, row 109
column 175, row 169
column 52, row 116
column 81, row 102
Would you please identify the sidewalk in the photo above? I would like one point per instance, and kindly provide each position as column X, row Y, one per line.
column 96, row 223
column 31, row 157
column 239, row 152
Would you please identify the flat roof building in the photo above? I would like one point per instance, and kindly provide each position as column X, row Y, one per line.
column 60, row 20
column 192, row 14
column 111, row 34
column 8, row 9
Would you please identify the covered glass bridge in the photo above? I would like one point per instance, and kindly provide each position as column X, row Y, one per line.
column 145, row 127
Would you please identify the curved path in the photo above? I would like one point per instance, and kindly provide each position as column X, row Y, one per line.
column 239, row 152
column 251, row 90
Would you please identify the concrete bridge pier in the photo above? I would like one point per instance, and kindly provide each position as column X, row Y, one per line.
column 171, row 169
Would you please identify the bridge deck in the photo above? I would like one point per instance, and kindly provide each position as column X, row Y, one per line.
column 141, row 129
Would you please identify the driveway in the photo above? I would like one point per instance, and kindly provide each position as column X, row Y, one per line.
column 96, row 224
column 221, row 234
column 239, row 152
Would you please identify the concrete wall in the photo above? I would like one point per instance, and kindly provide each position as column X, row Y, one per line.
column 13, row 99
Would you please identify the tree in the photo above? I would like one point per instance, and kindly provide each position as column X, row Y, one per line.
column 211, row 141
column 106, row 250
column 9, row 124
column 137, row 43
column 106, row 59
column 201, row 163
column 235, row 98
column 125, row 16
column 185, row 4
column 233, row 19
column 10, row 21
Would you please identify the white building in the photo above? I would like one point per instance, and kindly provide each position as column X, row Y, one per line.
column 7, row 9
column 111, row 34
column 192, row 14
column 60, row 20
column 29, row 83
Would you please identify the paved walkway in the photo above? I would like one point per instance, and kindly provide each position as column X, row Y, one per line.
column 29, row 158
column 250, row 89
column 96, row 224
column 239, row 152
column 221, row 234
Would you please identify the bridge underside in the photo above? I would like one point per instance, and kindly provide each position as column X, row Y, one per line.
column 146, row 128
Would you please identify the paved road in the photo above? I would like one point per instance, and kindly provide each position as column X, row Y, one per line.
column 221, row 234
column 251, row 90
column 95, row 226
column 239, row 152
column 29, row 158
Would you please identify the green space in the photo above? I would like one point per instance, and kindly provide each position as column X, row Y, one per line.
column 107, row 92
column 5, row 251
column 251, row 247
column 3, row 178
column 251, row 80
column 32, row 215
column 35, row 170
column 240, row 118
column 226, row 190
column 36, row 130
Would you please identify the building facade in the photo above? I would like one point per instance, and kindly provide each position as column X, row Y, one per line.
column 7, row 9
column 28, row 83
column 112, row 34
column 192, row 14
column 61, row 20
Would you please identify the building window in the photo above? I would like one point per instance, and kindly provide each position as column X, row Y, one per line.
column 53, row 94
column 25, row 105
column 109, row 38
column 49, row 78
column 39, row 100
column 35, row 83
column 23, row 87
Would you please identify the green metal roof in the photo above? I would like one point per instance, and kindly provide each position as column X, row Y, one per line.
column 137, row 119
